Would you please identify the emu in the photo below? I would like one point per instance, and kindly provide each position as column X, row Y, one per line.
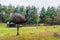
column 18, row 19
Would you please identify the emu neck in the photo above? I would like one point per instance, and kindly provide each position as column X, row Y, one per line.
column 26, row 16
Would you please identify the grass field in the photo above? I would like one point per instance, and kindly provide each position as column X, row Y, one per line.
column 29, row 33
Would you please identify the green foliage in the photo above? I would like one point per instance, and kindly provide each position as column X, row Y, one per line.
column 57, row 17
column 6, row 17
column 0, row 7
column 47, row 16
column 5, row 9
column 50, row 14
column 42, row 15
column 17, row 9
column 22, row 10
column 33, row 15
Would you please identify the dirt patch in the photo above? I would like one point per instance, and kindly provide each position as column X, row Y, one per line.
column 57, row 35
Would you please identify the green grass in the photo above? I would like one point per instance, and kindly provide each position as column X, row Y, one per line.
column 29, row 33
column 3, row 25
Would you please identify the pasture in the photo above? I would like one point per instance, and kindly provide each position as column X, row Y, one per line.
column 29, row 33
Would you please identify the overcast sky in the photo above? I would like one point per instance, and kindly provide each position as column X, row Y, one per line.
column 37, row 3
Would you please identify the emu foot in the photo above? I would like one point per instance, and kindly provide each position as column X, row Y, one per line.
column 17, row 34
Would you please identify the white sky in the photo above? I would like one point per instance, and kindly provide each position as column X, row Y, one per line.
column 37, row 3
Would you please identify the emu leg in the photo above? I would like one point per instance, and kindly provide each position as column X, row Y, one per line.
column 17, row 29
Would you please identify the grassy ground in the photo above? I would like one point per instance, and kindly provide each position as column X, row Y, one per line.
column 29, row 33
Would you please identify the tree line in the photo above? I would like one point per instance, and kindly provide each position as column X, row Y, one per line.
column 51, row 15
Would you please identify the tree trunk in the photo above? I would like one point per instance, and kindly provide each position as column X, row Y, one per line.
column 17, row 29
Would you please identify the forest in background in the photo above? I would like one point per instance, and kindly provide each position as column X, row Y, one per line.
column 51, row 15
